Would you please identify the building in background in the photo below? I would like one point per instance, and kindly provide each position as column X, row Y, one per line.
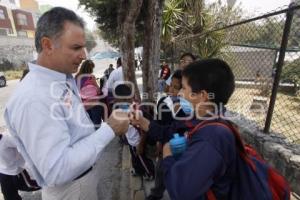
column 17, row 30
column 7, row 25
column 18, row 17
column 24, row 23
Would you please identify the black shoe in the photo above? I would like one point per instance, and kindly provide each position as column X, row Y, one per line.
column 151, row 197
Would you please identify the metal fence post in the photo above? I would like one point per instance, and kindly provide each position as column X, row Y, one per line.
column 283, row 47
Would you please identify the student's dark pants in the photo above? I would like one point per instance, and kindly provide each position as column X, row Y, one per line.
column 159, row 186
column 9, row 187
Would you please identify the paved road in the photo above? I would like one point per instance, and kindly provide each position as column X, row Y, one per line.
column 5, row 93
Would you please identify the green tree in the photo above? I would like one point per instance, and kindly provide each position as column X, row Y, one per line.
column 188, row 26
column 106, row 13
column 291, row 73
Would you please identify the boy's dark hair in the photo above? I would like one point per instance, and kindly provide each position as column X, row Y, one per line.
column 177, row 74
column 188, row 54
column 213, row 76
column 123, row 90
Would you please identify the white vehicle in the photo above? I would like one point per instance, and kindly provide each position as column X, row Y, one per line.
column 2, row 80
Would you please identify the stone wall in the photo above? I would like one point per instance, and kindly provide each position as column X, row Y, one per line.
column 16, row 50
column 283, row 156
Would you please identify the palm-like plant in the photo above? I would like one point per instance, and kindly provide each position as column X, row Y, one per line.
column 186, row 18
column 172, row 15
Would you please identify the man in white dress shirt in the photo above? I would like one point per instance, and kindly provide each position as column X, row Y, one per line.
column 47, row 120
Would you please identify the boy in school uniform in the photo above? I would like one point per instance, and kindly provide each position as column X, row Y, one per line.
column 136, row 139
column 168, row 109
column 210, row 159
column 208, row 163
column 13, row 177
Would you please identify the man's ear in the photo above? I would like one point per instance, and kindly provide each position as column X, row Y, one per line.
column 47, row 45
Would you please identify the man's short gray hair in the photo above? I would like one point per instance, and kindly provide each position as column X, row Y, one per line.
column 51, row 24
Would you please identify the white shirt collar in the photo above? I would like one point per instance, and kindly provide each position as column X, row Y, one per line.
column 53, row 75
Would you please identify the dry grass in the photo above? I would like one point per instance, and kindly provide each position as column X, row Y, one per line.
column 286, row 116
column 13, row 74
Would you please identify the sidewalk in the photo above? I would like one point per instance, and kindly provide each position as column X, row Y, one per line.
column 139, row 188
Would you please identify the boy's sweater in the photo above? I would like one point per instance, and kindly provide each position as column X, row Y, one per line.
column 208, row 162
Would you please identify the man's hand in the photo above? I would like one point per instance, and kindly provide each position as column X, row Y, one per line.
column 167, row 150
column 118, row 121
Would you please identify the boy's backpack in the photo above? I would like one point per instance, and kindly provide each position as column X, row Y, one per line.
column 255, row 177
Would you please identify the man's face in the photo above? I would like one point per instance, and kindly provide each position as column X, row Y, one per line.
column 69, row 49
column 185, row 61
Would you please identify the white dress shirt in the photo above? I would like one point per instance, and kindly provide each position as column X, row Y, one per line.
column 51, row 128
column 116, row 77
column 11, row 162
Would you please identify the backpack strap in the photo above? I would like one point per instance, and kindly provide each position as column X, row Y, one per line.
column 210, row 195
column 238, row 140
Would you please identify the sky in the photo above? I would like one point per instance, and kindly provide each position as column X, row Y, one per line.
column 73, row 5
column 250, row 6
column 261, row 6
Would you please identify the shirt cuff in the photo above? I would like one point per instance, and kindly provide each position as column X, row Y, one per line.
column 106, row 131
column 105, row 135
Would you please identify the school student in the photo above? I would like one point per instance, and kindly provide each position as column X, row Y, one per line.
column 210, row 158
column 141, row 163
column 168, row 109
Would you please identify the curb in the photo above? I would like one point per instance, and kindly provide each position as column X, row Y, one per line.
column 131, row 187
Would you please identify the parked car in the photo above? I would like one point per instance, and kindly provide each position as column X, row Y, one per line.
column 105, row 54
column 2, row 80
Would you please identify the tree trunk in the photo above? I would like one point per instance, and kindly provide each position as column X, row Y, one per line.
column 151, row 49
column 128, row 13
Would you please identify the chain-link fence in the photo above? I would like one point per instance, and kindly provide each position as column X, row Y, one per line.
column 264, row 53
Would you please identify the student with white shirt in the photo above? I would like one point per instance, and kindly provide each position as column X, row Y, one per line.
column 116, row 77
column 10, row 165
column 168, row 110
column 13, row 177
column 46, row 117
column 142, row 165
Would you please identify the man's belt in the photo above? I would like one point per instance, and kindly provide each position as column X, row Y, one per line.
column 84, row 173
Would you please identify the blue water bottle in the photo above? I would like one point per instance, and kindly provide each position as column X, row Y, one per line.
column 178, row 145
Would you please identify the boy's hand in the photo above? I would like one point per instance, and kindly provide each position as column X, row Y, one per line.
column 136, row 119
column 167, row 150
column 118, row 121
